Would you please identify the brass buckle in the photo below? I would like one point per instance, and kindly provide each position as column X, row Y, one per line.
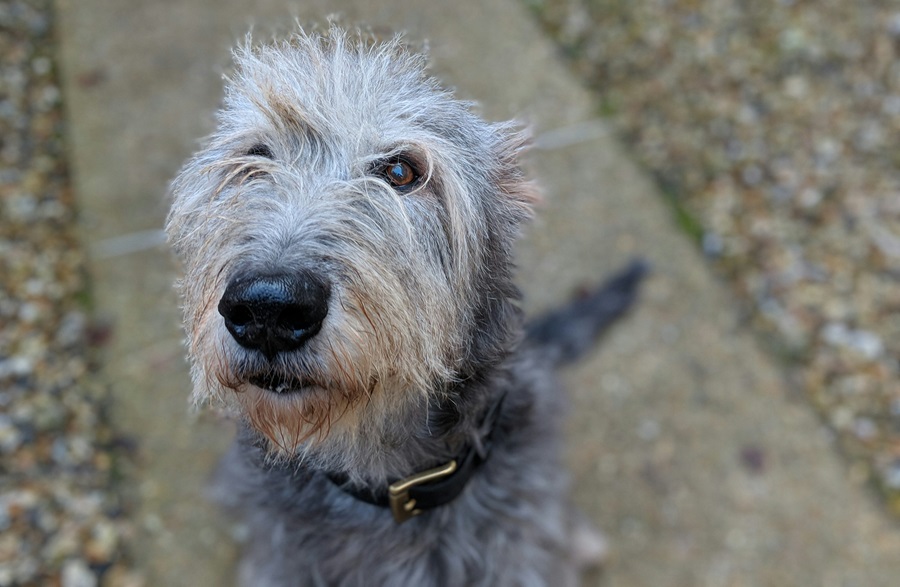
column 402, row 506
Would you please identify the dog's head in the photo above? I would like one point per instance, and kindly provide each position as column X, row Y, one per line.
column 346, row 234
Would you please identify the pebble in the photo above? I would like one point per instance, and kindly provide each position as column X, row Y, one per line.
column 892, row 475
column 867, row 344
column 75, row 573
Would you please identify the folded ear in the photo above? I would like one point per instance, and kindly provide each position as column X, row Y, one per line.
column 521, row 193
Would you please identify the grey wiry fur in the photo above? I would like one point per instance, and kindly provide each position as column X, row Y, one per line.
column 421, row 332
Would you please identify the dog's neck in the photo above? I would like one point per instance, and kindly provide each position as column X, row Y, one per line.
column 436, row 485
column 427, row 435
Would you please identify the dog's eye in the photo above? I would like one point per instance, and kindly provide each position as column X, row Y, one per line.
column 399, row 174
column 260, row 150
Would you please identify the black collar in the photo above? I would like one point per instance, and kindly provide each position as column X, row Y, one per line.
column 410, row 496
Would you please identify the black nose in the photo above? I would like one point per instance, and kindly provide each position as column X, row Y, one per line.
column 275, row 313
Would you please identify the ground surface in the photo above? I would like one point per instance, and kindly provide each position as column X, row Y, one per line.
column 774, row 129
column 687, row 446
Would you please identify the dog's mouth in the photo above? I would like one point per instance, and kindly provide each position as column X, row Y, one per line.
column 279, row 382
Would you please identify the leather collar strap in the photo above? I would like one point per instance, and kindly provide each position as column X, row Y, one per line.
column 410, row 496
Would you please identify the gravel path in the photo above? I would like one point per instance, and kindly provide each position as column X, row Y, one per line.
column 59, row 522
column 774, row 128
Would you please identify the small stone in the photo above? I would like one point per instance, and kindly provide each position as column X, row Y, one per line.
column 103, row 542
column 16, row 366
column 72, row 329
column 29, row 313
column 41, row 65
column 752, row 175
column 796, row 87
column 865, row 343
column 21, row 208
column 891, row 475
column 793, row 40
column 828, row 150
column 865, row 429
column 75, row 573
column 10, row 437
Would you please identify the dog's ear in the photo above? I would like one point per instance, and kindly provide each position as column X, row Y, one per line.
column 512, row 183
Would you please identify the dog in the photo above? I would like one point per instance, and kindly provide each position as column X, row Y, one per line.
column 347, row 236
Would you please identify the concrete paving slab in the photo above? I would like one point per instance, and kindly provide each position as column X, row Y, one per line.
column 686, row 445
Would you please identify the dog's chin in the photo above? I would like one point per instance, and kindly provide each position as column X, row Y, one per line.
column 280, row 383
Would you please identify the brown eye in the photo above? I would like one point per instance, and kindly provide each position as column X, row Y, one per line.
column 400, row 174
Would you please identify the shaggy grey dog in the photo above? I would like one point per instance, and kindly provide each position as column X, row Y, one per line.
column 347, row 236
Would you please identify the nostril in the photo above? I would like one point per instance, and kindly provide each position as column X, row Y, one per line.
column 240, row 315
column 294, row 318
